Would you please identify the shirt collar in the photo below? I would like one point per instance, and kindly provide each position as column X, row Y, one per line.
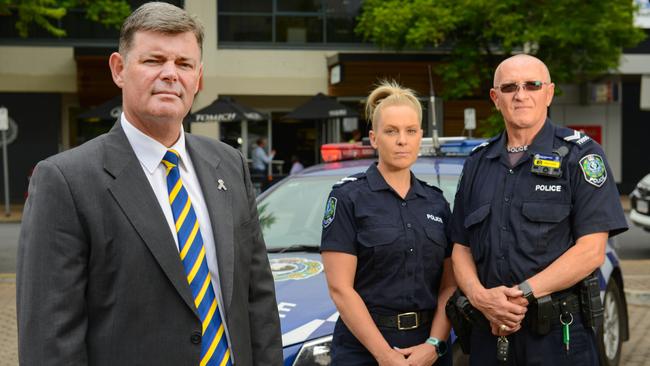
column 149, row 151
column 377, row 182
column 543, row 142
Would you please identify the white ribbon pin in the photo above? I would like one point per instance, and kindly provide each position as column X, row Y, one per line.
column 221, row 186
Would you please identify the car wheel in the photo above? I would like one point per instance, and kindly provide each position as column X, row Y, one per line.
column 610, row 336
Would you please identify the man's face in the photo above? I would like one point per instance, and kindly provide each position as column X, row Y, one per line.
column 159, row 77
column 397, row 137
column 522, row 108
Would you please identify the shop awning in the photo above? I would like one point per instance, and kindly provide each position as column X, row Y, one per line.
column 321, row 107
column 225, row 109
column 109, row 110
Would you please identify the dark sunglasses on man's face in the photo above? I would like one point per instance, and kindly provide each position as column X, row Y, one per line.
column 527, row 85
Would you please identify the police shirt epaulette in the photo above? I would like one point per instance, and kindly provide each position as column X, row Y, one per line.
column 486, row 143
column 572, row 136
column 349, row 179
column 430, row 185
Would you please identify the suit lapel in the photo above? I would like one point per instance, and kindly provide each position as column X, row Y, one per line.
column 219, row 204
column 133, row 193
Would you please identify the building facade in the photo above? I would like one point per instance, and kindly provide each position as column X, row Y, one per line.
column 274, row 55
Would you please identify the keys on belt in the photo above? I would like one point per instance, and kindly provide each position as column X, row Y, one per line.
column 404, row 321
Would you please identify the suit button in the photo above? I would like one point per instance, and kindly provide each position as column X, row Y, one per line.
column 196, row 338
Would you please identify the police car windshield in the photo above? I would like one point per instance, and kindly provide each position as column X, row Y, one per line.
column 291, row 215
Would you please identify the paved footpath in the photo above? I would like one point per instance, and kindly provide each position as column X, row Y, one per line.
column 636, row 351
column 8, row 341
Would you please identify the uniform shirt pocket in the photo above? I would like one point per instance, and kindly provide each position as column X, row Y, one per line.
column 379, row 248
column 478, row 231
column 434, row 250
column 544, row 224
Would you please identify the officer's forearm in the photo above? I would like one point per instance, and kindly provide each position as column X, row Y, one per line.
column 465, row 270
column 578, row 262
column 441, row 326
column 340, row 270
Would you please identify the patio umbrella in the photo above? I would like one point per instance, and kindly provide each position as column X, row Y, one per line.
column 109, row 110
column 324, row 111
column 226, row 110
column 321, row 107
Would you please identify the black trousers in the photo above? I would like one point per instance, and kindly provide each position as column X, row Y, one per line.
column 529, row 349
column 347, row 350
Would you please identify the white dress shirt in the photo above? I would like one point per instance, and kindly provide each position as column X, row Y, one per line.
column 150, row 154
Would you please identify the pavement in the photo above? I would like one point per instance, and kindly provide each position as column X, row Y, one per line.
column 636, row 274
column 15, row 213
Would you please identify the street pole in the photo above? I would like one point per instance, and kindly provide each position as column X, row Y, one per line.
column 4, row 126
column 432, row 114
column 5, row 164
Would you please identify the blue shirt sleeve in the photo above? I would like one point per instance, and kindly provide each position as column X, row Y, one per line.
column 457, row 226
column 339, row 226
column 596, row 203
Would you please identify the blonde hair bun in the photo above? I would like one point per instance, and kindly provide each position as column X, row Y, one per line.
column 389, row 93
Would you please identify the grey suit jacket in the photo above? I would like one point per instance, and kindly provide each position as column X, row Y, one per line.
column 99, row 278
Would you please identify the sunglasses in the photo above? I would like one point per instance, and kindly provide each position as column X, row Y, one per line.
column 526, row 85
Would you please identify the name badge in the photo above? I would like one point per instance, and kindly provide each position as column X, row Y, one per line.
column 547, row 165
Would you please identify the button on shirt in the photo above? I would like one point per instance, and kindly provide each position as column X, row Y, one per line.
column 400, row 244
column 150, row 153
column 517, row 222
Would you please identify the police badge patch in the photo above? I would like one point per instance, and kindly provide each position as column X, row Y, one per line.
column 330, row 211
column 593, row 168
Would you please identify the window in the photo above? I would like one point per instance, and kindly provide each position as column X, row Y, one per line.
column 288, row 23
column 80, row 31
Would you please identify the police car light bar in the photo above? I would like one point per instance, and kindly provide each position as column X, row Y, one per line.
column 450, row 146
column 345, row 151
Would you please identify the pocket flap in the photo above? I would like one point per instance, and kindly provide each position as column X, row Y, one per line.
column 545, row 211
column 477, row 216
column 437, row 236
column 377, row 236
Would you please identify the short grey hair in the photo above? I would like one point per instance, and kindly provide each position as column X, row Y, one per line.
column 159, row 17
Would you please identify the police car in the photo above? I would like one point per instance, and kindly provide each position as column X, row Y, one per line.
column 291, row 214
column 640, row 203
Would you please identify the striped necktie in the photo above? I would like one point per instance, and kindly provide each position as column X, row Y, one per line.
column 214, row 344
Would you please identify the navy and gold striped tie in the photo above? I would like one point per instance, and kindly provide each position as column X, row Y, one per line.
column 214, row 345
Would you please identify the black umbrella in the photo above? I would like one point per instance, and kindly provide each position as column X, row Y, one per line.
column 321, row 107
column 109, row 110
column 226, row 110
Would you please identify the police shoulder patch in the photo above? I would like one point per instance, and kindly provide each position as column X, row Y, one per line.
column 330, row 212
column 593, row 169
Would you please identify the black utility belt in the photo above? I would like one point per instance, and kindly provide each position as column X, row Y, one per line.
column 404, row 321
column 549, row 310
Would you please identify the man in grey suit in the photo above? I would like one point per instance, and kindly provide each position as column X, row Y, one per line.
column 143, row 246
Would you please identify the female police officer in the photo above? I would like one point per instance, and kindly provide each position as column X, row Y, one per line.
column 386, row 250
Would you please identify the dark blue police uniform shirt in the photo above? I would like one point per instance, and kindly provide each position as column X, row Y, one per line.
column 516, row 222
column 400, row 244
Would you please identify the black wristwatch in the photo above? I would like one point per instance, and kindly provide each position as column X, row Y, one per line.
column 440, row 345
column 528, row 292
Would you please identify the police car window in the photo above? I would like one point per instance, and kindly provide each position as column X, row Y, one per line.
column 292, row 214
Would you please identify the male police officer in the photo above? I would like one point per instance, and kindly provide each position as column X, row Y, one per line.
column 532, row 215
